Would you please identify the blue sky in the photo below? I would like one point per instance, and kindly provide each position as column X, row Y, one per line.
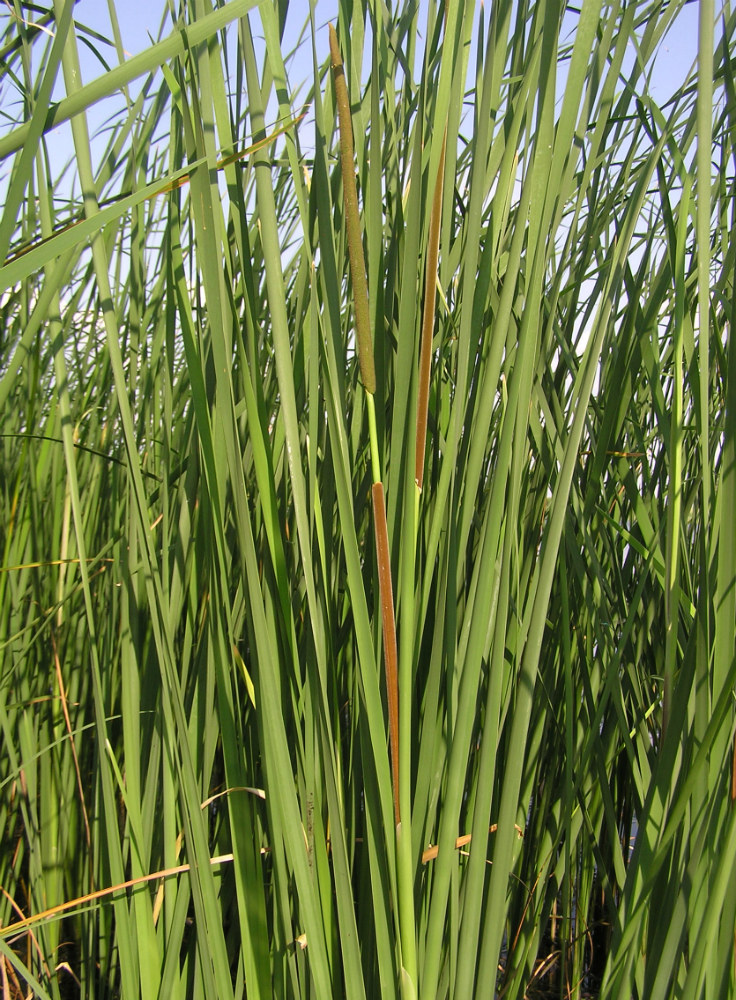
column 140, row 23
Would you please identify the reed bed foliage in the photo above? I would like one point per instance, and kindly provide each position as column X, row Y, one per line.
column 197, row 791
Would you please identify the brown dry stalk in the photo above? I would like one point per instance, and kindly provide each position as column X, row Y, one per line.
column 431, row 853
column 389, row 634
column 179, row 182
column 90, row 897
column 352, row 220
column 430, row 291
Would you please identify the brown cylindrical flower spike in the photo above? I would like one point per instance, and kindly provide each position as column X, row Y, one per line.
column 389, row 634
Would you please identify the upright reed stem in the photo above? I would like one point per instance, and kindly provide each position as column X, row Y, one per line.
column 430, row 293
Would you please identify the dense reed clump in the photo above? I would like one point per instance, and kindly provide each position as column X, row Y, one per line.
column 198, row 794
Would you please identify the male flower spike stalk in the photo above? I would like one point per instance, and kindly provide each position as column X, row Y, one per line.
column 368, row 377
column 352, row 221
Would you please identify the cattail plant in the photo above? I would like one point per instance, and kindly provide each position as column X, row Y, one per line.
column 368, row 575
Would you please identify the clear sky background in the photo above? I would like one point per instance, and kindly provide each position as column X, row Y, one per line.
column 140, row 23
